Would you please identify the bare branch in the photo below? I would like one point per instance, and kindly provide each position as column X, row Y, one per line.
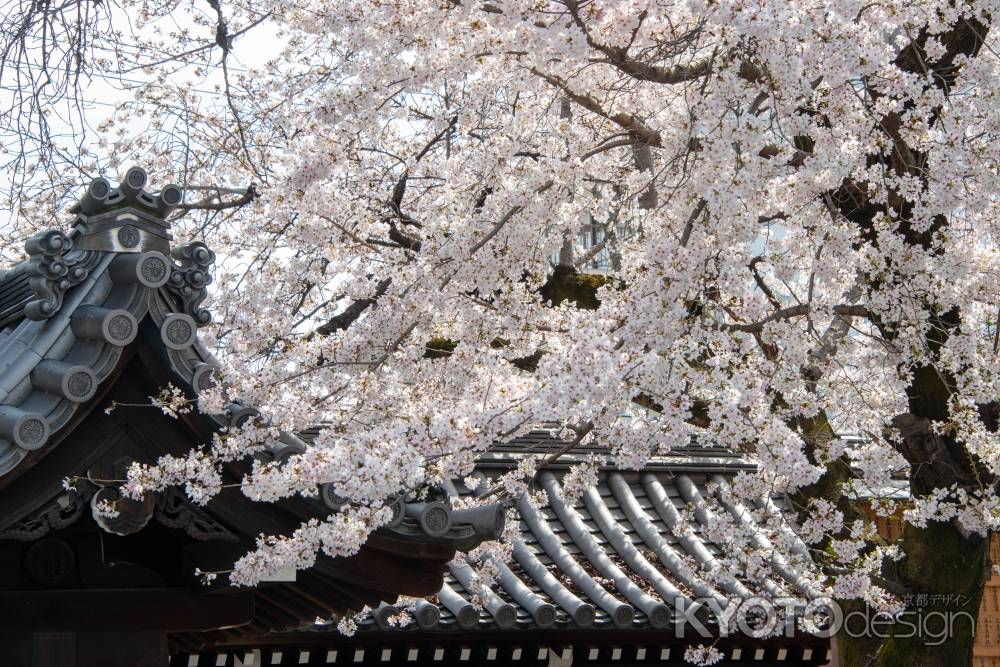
column 215, row 201
column 760, row 281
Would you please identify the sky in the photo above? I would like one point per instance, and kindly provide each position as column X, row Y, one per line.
column 103, row 95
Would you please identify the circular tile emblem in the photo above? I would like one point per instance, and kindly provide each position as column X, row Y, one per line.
column 120, row 328
column 153, row 270
column 436, row 520
column 178, row 331
column 128, row 236
column 32, row 432
column 80, row 385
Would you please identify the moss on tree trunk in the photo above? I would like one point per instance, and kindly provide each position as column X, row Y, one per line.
column 951, row 570
column 566, row 284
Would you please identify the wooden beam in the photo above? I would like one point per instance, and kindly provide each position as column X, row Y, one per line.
column 159, row 609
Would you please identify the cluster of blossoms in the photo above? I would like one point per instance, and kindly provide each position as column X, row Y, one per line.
column 703, row 655
column 172, row 401
column 197, row 473
column 581, row 477
column 340, row 534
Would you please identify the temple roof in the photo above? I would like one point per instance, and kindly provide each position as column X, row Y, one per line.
column 69, row 310
column 113, row 290
column 608, row 576
column 622, row 556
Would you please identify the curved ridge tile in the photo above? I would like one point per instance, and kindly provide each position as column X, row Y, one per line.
column 543, row 613
column 690, row 493
column 673, row 561
column 466, row 615
column 504, row 614
column 659, row 614
column 25, row 429
column 426, row 614
column 621, row 543
column 581, row 612
column 691, row 543
column 622, row 614
column 76, row 384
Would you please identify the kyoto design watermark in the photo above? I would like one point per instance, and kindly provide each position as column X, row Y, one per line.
column 933, row 619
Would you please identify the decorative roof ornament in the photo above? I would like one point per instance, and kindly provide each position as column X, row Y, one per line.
column 126, row 218
column 92, row 286
column 190, row 277
column 54, row 266
column 123, row 220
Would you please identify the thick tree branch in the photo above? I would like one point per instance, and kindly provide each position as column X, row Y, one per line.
column 637, row 69
column 352, row 312
column 790, row 312
column 624, row 120
column 216, row 202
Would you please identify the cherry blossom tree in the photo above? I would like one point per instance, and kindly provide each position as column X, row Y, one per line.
column 793, row 206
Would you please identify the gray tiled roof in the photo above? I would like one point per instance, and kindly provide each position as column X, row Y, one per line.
column 70, row 309
column 621, row 557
